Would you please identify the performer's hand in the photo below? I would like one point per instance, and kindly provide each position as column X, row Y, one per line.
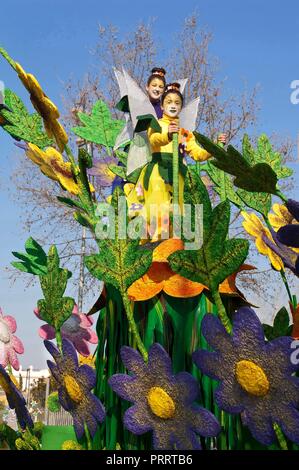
column 172, row 129
column 222, row 138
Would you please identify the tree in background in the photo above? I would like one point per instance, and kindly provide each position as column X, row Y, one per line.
column 138, row 51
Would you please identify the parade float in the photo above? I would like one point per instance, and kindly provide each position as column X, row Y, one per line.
column 182, row 360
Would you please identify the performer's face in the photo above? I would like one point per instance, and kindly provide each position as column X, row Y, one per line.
column 172, row 105
column 155, row 89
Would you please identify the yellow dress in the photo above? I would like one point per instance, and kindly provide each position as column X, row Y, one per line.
column 151, row 196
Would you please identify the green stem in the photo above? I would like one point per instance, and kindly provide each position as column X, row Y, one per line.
column 280, row 437
column 58, row 340
column 282, row 272
column 284, row 279
column 70, row 157
column 221, row 311
column 9, row 369
column 281, row 195
column 88, row 438
column 133, row 326
column 175, row 168
column 8, row 58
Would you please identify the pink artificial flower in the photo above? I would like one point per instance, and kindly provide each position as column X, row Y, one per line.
column 76, row 329
column 9, row 343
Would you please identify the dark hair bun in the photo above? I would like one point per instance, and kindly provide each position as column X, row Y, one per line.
column 172, row 87
column 159, row 71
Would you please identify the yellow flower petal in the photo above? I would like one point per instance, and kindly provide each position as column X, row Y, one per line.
column 276, row 221
column 44, row 106
column 276, row 261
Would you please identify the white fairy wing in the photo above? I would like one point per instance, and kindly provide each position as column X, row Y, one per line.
column 138, row 101
column 125, row 135
column 183, row 83
column 139, row 153
column 121, row 81
column 188, row 115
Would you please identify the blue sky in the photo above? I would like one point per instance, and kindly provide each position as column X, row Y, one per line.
column 255, row 41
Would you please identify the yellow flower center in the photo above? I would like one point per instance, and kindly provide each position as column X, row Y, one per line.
column 161, row 403
column 4, row 385
column 252, row 378
column 73, row 388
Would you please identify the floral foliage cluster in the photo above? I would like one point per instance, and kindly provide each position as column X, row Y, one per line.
column 182, row 360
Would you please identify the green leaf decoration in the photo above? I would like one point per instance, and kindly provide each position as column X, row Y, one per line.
column 99, row 127
column 145, row 121
column 20, row 124
column 120, row 261
column 54, row 308
column 71, row 202
column 9, row 435
column 118, row 171
column 195, row 192
column 260, row 202
column 224, row 185
column 280, row 326
column 265, row 153
column 83, row 220
column 281, row 321
column 121, row 156
column 34, row 261
column 218, row 257
column 259, row 177
column 123, row 104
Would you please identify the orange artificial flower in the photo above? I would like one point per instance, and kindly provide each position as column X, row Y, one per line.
column 160, row 277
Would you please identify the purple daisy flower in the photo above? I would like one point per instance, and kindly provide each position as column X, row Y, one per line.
column 289, row 234
column 15, row 400
column 256, row 377
column 163, row 402
column 104, row 177
column 74, row 384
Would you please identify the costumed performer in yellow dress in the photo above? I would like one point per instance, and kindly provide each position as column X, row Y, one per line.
column 154, row 185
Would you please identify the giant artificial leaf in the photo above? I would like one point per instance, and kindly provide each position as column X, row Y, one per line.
column 223, row 185
column 218, row 257
column 54, row 308
column 34, row 261
column 195, row 192
column 260, row 202
column 264, row 153
column 259, row 177
column 20, row 124
column 99, row 127
column 120, row 262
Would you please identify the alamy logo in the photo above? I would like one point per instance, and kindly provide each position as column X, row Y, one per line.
column 159, row 221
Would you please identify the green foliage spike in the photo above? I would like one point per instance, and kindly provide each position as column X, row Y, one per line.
column 99, row 127
column 34, row 261
column 280, row 326
column 259, row 177
column 20, row 124
column 120, row 261
column 218, row 257
column 54, row 308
